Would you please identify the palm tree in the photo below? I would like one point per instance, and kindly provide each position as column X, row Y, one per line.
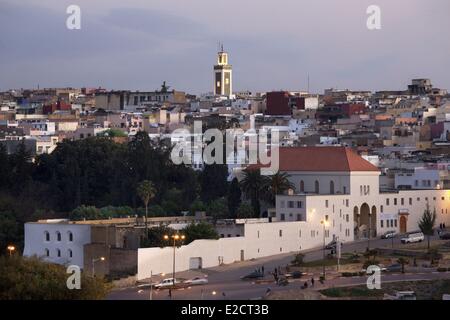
column 146, row 191
column 278, row 184
column 403, row 261
column 253, row 185
column 426, row 223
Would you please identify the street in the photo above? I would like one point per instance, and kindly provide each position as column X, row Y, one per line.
column 225, row 282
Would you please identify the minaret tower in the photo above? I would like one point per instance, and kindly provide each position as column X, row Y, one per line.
column 223, row 85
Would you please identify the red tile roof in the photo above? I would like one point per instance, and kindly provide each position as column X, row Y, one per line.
column 338, row 159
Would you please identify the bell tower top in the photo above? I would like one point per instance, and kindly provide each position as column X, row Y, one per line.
column 222, row 58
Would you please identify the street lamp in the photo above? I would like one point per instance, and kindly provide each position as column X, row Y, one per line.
column 11, row 249
column 368, row 238
column 175, row 237
column 324, row 224
column 93, row 263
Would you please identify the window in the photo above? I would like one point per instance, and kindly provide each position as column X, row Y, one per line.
column 290, row 204
column 326, row 217
column 387, row 201
column 331, row 187
column 302, row 186
column 58, row 236
column 361, row 190
column 47, row 236
column 326, row 203
column 381, row 209
column 381, row 223
column 280, row 233
column 282, row 217
column 70, row 234
column 299, row 204
column 410, row 201
column 282, row 204
column 258, row 234
column 402, row 201
column 395, row 221
column 47, row 252
column 345, row 190
column 58, row 253
column 70, row 255
column 346, row 203
column 418, row 199
column 395, row 201
column 317, row 187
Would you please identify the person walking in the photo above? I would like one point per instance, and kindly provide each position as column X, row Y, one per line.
column 170, row 294
column 312, row 282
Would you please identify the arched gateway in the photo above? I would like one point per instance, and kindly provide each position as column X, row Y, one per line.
column 365, row 219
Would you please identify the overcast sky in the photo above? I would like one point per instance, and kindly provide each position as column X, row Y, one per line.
column 136, row 44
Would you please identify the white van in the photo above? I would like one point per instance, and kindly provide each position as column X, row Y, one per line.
column 413, row 237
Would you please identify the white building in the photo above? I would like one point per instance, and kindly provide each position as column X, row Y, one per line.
column 57, row 241
column 336, row 196
column 433, row 176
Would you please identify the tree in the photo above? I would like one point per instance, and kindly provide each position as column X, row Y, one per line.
column 155, row 237
column 5, row 168
column 146, row 191
column 198, row 231
column 277, row 184
column 403, row 262
column 244, row 211
column 298, row 259
column 234, row 197
column 197, row 206
column 253, row 185
column 213, row 182
column 218, row 209
column 33, row 279
column 426, row 223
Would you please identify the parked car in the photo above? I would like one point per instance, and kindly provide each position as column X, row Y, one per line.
column 166, row 283
column 197, row 281
column 413, row 237
column 382, row 269
column 444, row 235
column 295, row 274
column 388, row 235
column 401, row 295
column 253, row 275
column 396, row 267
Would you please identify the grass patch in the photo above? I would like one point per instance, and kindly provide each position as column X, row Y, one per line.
column 350, row 292
column 425, row 290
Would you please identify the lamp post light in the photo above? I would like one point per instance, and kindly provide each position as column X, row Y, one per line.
column 368, row 238
column 11, row 249
column 94, row 260
column 324, row 224
column 176, row 237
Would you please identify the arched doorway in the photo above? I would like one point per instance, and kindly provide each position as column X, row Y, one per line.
column 364, row 217
column 403, row 224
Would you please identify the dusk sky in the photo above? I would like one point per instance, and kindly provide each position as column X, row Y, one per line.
column 137, row 44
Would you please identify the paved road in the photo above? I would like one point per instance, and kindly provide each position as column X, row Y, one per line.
column 225, row 283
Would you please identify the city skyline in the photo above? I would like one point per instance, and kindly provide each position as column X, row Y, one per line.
column 137, row 46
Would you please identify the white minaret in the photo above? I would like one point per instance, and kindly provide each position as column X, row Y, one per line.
column 223, row 84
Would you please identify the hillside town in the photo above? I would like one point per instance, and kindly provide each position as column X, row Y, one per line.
column 353, row 166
